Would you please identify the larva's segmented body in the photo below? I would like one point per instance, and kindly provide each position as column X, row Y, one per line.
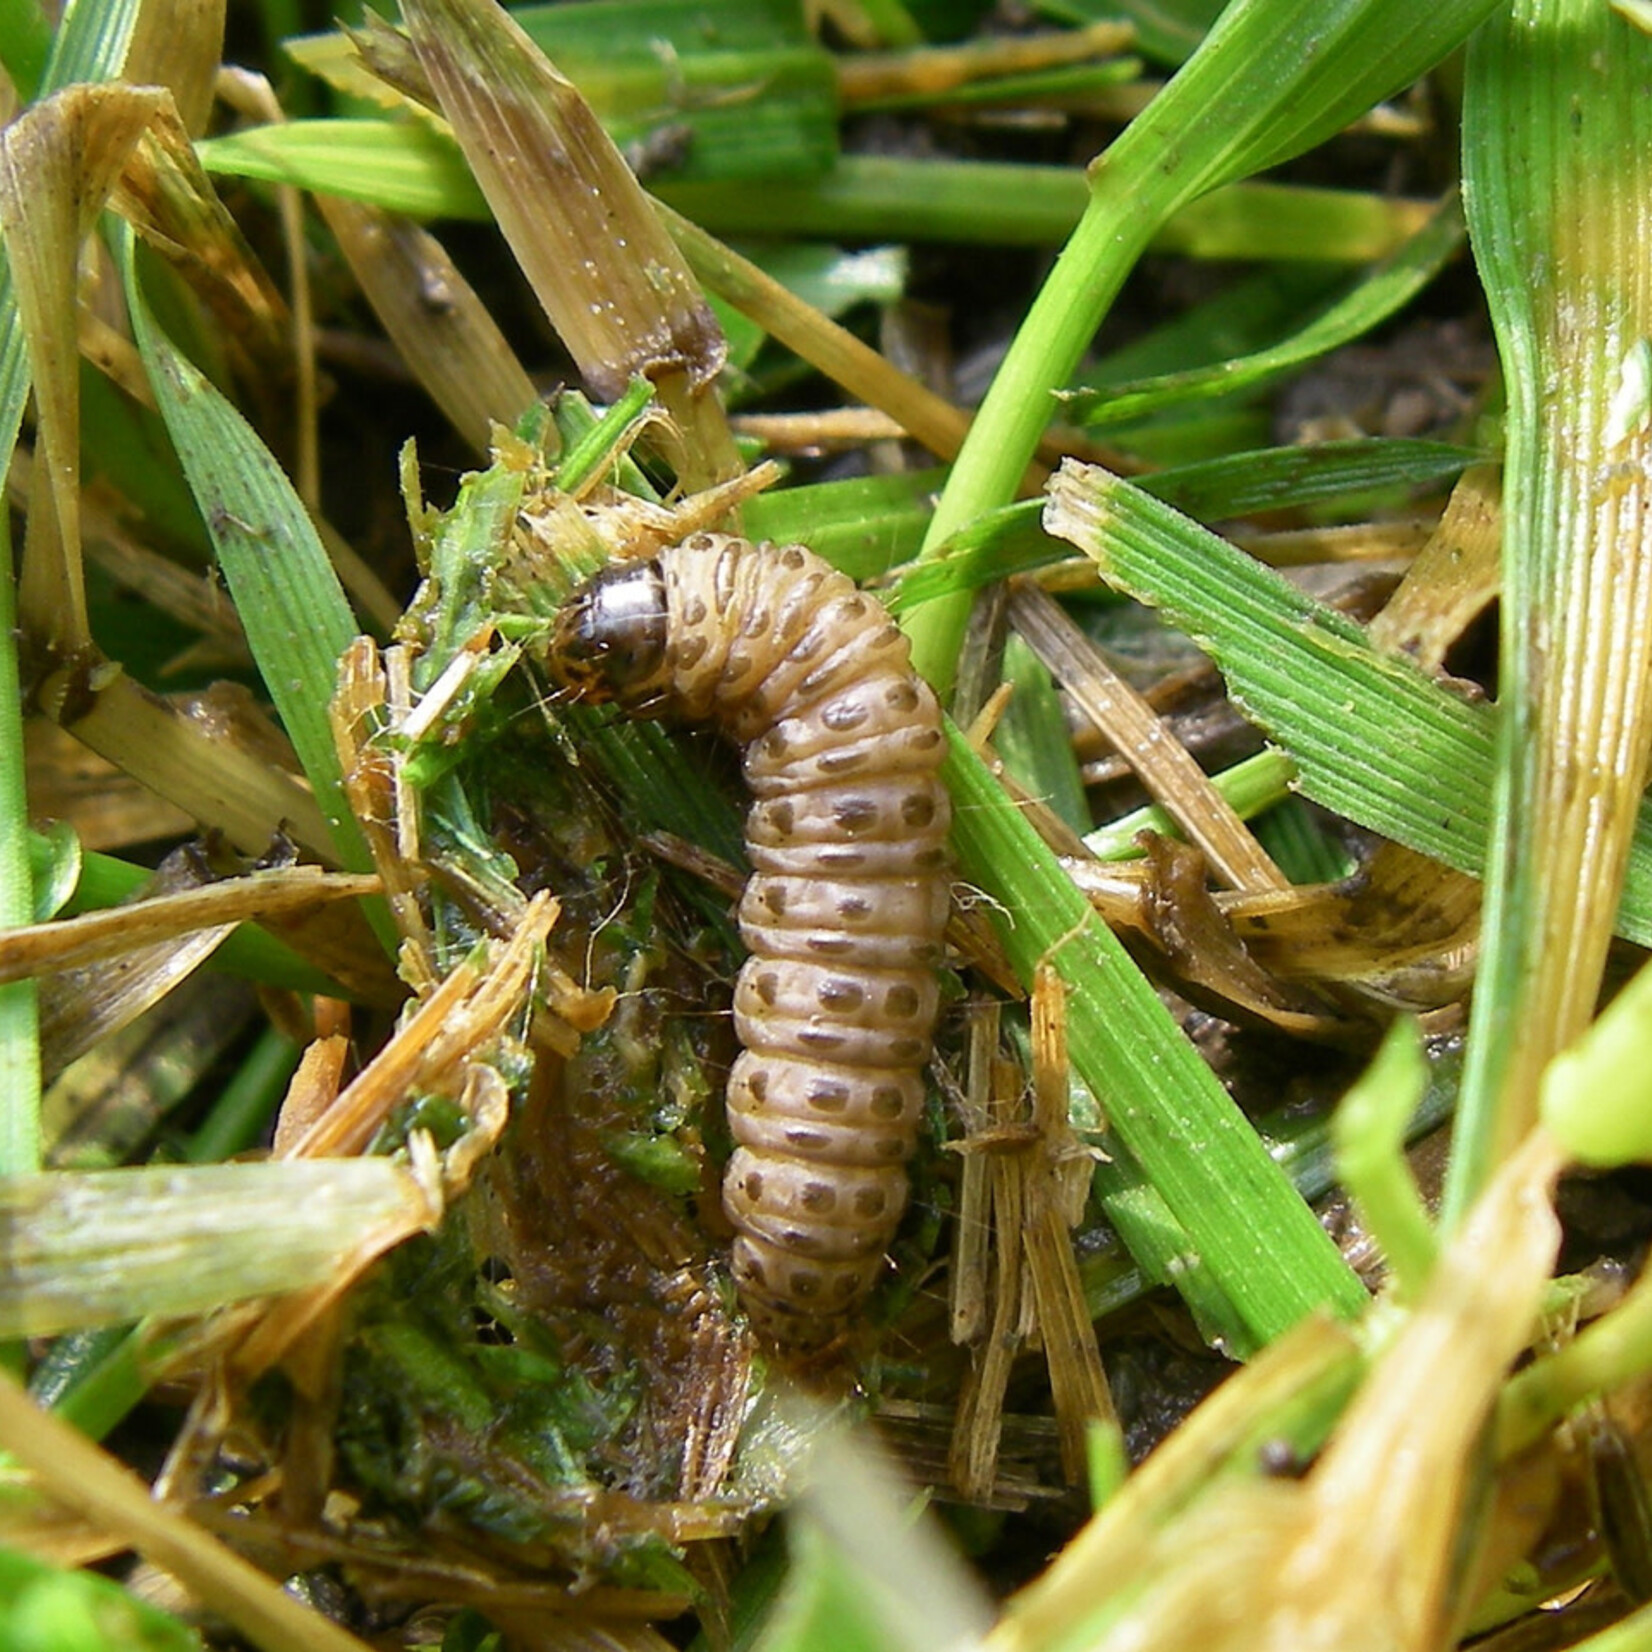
column 843, row 917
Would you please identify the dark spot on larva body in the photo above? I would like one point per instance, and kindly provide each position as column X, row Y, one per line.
column 845, row 920
column 840, row 860
column 845, row 716
column 917, row 810
column 844, row 996
column 856, row 814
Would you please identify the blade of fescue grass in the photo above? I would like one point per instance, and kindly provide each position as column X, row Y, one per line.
column 1558, row 160
column 1271, row 79
column 873, row 197
column 297, row 619
column 91, row 44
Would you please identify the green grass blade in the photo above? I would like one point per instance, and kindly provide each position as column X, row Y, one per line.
column 877, row 197
column 1393, row 283
column 297, row 619
column 409, row 168
column 25, row 44
column 1558, row 156
column 401, row 167
column 90, row 43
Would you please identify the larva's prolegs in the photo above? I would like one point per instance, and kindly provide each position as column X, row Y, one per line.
column 844, row 916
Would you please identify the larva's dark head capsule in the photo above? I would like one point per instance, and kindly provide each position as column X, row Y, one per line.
column 610, row 638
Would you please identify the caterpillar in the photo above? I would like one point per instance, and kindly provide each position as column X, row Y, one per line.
column 835, row 1007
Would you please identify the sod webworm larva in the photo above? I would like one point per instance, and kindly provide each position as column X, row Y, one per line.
column 843, row 917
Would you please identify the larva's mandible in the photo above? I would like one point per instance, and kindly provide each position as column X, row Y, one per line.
column 844, row 914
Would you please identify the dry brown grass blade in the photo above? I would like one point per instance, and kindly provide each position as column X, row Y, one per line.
column 209, row 772
column 81, row 1008
column 584, row 233
column 967, row 1283
column 73, row 943
column 1056, row 1187
column 1405, row 929
column 58, row 162
column 441, row 329
column 1038, row 1175
column 1455, row 577
column 179, row 45
column 166, row 196
column 105, row 808
column 842, row 357
column 469, row 1008
column 866, row 77
column 1164, row 765
column 1180, row 929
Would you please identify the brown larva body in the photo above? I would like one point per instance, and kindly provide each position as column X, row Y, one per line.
column 844, row 914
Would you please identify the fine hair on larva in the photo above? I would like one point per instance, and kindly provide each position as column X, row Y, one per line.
column 843, row 916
